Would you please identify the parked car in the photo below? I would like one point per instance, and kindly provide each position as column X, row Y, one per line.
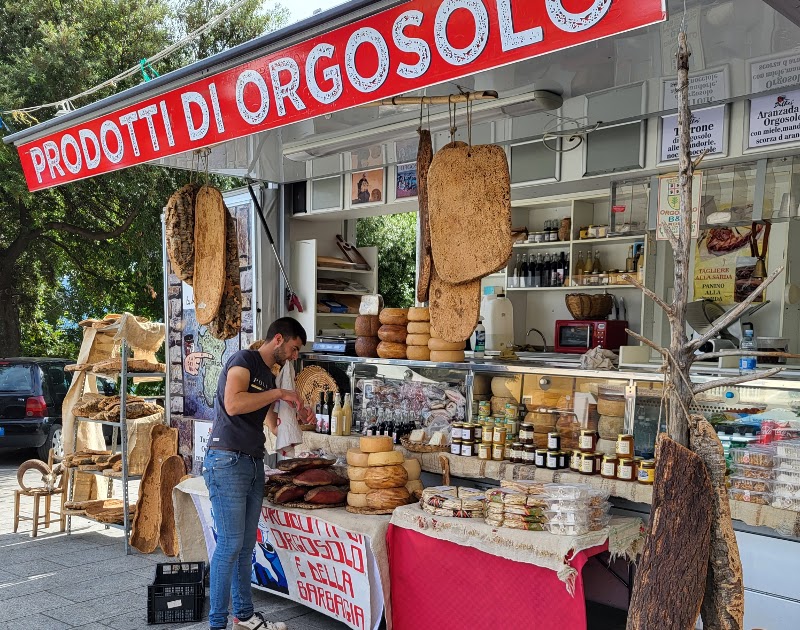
column 32, row 391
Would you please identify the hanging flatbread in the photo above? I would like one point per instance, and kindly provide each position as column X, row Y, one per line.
column 469, row 204
column 454, row 308
column 209, row 253
column 228, row 321
column 179, row 230
column 424, row 158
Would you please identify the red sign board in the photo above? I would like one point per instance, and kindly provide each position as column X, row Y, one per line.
column 409, row 47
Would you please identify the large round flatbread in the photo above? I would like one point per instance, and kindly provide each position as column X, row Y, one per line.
column 454, row 308
column 424, row 158
column 469, row 209
column 209, row 253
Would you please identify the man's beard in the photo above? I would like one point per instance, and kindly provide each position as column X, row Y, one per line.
column 280, row 355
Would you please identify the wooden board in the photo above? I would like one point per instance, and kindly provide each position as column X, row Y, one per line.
column 209, row 253
column 454, row 308
column 469, row 200
column 172, row 471
column 424, row 158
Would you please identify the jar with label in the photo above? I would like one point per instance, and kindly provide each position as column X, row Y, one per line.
column 468, row 432
column 456, row 430
column 626, row 469
column 507, row 451
column 512, row 411
column 500, row 434
column 485, row 450
column 478, row 429
column 587, row 441
column 467, row 448
column 554, row 441
column 488, row 432
column 563, row 460
column 455, row 447
column 512, row 426
column 551, row 461
column 485, row 408
column 517, row 453
column 588, row 464
column 498, row 452
column 575, row 460
column 540, row 457
column 608, row 469
column 529, row 454
column 526, row 433
column 647, row 472
column 625, row 445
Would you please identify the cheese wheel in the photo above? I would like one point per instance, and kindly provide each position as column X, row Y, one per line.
column 394, row 334
column 419, row 328
column 389, row 350
column 507, row 386
column 419, row 314
column 374, row 444
column 441, row 344
column 386, row 477
column 413, row 469
column 367, row 325
column 359, row 487
column 356, row 500
column 388, row 498
column 386, row 459
column 394, row 316
column 356, row 457
column 447, row 356
column 417, row 340
column 418, row 353
column 357, row 473
column 414, row 485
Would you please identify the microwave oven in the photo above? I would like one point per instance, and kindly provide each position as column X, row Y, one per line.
column 579, row 336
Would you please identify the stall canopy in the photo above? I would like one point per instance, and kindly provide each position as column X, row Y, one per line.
column 369, row 51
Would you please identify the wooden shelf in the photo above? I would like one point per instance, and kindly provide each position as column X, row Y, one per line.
column 340, row 270
column 542, row 245
column 577, row 289
column 608, row 240
column 342, row 292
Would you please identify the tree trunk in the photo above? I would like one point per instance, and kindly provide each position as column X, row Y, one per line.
column 671, row 576
column 9, row 318
column 723, row 603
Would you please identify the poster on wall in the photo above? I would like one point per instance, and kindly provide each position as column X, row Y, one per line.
column 724, row 264
column 406, row 181
column 774, row 119
column 669, row 205
column 309, row 560
column 707, row 133
column 202, row 432
column 367, row 187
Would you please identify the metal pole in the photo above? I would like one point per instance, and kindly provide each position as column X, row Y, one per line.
column 123, row 401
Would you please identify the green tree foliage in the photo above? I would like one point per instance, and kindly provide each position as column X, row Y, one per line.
column 395, row 236
column 94, row 246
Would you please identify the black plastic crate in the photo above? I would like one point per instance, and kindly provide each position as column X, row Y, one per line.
column 178, row 593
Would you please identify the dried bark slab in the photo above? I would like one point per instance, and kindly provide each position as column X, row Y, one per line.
column 209, row 253
column 723, row 604
column 172, row 471
column 424, row 158
column 179, row 229
column 147, row 523
column 671, row 575
column 454, row 308
column 228, row 321
column 469, row 201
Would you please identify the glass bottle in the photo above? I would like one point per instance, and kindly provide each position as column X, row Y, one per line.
column 579, row 267
column 587, row 268
column 348, row 415
column 336, row 417
column 523, row 273
column 597, row 267
column 513, row 274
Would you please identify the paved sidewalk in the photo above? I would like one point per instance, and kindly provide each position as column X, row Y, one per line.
column 85, row 580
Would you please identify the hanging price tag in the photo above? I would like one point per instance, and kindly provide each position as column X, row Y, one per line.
column 618, row 209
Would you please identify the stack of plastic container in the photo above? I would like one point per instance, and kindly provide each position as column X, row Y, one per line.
column 752, row 477
column 575, row 509
column 786, row 486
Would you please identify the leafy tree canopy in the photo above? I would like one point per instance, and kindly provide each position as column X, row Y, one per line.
column 395, row 236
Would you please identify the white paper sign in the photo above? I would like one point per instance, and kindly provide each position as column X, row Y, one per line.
column 202, row 432
column 669, row 205
column 707, row 133
column 703, row 88
column 187, row 291
column 774, row 119
column 772, row 74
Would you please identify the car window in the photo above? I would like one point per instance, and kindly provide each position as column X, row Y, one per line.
column 58, row 380
column 16, row 378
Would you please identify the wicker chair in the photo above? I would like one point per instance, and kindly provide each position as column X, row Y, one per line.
column 60, row 489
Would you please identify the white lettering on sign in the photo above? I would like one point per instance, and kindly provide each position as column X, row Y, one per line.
column 212, row 90
column 128, row 120
column 460, row 56
column 333, row 74
column 511, row 39
column 167, row 123
column 413, row 45
column 286, row 90
column 69, row 141
column 366, row 36
column 251, row 77
column 52, row 157
column 196, row 132
column 109, row 126
column 575, row 22
column 703, row 88
column 91, row 161
column 147, row 114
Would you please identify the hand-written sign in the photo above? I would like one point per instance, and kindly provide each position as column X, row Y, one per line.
column 405, row 48
column 707, row 133
column 669, row 205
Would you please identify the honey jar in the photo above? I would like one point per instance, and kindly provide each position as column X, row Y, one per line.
column 608, row 469
column 626, row 469
column 468, row 432
column 575, row 460
column 467, row 448
column 485, row 450
column 455, row 447
column 487, row 434
column 530, row 454
column 484, row 408
column 498, row 452
column 587, row 442
column 541, row 457
column 554, row 441
column 625, row 445
column 588, row 464
column 499, row 435
column 647, row 472
column 526, row 433
column 478, row 429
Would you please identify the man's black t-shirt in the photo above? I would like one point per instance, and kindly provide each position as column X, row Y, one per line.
column 244, row 432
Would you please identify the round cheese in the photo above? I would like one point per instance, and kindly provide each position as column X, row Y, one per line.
column 447, row 356
column 357, row 473
column 386, row 477
column 414, row 485
column 413, row 469
column 419, row 328
column 374, row 444
column 441, row 344
column 394, row 316
column 394, row 334
column 418, row 314
column 417, row 340
column 418, row 353
column 388, row 498
column 357, row 458
column 507, row 387
column 359, row 487
column 386, row 458
column 356, row 500
column 389, row 350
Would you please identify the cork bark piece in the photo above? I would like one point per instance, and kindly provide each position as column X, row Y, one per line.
column 469, row 201
column 172, row 471
column 209, row 253
column 454, row 308
column 179, row 230
column 424, row 158
column 228, row 321
column 147, row 522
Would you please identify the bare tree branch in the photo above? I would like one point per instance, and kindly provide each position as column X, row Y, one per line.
column 735, row 312
column 727, row 382
column 647, row 342
column 651, row 294
column 699, row 159
column 745, row 353
column 90, row 235
column 75, row 259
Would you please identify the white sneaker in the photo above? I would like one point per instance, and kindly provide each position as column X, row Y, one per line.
column 257, row 622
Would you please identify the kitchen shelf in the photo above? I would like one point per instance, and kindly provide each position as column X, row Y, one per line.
column 342, row 292
column 577, row 289
column 607, row 240
column 345, row 270
column 542, row 245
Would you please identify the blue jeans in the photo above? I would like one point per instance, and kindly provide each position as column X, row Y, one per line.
column 235, row 484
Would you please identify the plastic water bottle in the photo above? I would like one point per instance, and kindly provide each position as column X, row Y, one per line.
column 747, row 363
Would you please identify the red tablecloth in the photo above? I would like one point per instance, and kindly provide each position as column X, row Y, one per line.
column 439, row 584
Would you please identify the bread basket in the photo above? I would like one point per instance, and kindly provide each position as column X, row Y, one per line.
column 579, row 305
column 602, row 304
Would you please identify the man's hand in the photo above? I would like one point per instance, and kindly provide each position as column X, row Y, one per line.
column 305, row 415
column 287, row 395
column 191, row 364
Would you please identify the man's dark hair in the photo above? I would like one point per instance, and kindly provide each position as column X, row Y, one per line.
column 288, row 328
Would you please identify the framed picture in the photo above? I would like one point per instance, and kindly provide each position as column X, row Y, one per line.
column 368, row 187
column 406, row 181
column 406, row 150
column 367, row 157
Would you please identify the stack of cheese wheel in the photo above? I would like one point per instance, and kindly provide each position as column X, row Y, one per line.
column 444, row 351
column 392, row 333
column 419, row 334
column 379, row 475
column 367, row 340
column 611, row 407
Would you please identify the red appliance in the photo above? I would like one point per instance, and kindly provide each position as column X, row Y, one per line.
column 578, row 336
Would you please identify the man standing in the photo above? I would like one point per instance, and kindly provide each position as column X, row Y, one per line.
column 234, row 467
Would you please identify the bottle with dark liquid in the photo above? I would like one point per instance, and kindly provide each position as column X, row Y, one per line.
column 523, row 273
column 536, row 272
column 318, row 413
